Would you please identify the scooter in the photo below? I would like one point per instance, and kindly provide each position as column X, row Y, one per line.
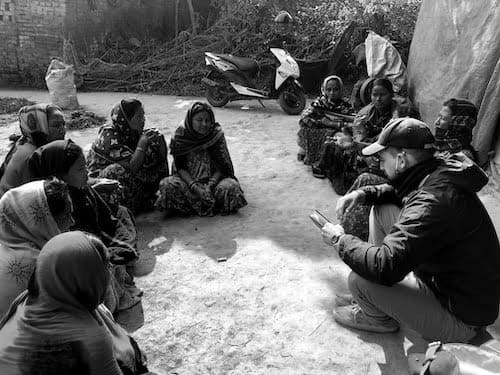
column 232, row 78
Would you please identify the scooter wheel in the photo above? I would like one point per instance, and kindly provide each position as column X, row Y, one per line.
column 292, row 100
column 216, row 97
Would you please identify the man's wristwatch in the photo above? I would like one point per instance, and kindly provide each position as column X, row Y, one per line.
column 335, row 240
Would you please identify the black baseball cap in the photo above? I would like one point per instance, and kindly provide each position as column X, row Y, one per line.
column 403, row 132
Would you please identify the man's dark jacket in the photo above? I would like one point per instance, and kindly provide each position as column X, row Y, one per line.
column 444, row 234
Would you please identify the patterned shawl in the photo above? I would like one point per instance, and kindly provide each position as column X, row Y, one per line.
column 121, row 114
column 458, row 135
column 26, row 224
column 55, row 328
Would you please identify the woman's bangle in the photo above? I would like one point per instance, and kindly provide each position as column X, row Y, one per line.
column 138, row 148
column 191, row 184
column 212, row 180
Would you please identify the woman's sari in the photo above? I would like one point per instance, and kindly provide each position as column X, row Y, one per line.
column 201, row 156
column 112, row 151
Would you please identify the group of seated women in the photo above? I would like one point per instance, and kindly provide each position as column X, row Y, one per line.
column 74, row 287
column 331, row 142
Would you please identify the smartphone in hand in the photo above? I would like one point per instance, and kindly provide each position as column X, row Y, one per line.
column 319, row 219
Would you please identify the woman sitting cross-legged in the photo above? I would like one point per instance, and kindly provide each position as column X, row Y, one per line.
column 204, row 181
column 30, row 215
column 65, row 159
column 134, row 156
column 39, row 124
column 318, row 121
column 59, row 325
column 341, row 159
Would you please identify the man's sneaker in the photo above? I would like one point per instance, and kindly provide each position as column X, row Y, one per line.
column 344, row 299
column 353, row 317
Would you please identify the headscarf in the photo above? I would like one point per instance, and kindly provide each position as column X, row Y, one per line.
column 121, row 114
column 187, row 140
column 331, row 78
column 53, row 159
column 26, row 224
column 57, row 328
column 34, row 118
column 458, row 135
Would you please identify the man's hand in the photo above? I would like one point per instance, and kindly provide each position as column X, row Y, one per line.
column 348, row 202
column 331, row 233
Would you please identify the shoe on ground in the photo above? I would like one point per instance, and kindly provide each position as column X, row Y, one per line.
column 352, row 316
column 318, row 173
column 344, row 299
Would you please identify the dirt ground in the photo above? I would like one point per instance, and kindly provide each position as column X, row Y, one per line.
column 267, row 309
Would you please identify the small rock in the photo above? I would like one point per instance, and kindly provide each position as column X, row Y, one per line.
column 157, row 241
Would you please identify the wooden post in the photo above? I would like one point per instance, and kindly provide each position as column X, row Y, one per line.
column 176, row 10
column 191, row 15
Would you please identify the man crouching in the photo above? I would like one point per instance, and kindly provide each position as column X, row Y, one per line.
column 432, row 261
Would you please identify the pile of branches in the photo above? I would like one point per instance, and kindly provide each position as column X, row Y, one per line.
column 84, row 120
column 177, row 66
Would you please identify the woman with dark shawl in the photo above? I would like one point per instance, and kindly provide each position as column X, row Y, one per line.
column 39, row 124
column 59, row 325
column 319, row 120
column 65, row 160
column 341, row 158
column 135, row 157
column 204, row 181
column 454, row 126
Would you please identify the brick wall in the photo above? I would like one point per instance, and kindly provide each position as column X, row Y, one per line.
column 33, row 31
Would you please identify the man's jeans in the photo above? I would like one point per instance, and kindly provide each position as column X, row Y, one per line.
column 409, row 302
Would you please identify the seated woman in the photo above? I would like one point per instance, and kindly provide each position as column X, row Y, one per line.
column 65, row 160
column 314, row 123
column 59, row 326
column 204, row 181
column 454, row 126
column 40, row 124
column 30, row 215
column 135, row 157
column 342, row 161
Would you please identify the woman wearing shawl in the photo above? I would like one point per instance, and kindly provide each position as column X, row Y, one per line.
column 65, row 160
column 341, row 159
column 135, row 157
column 40, row 124
column 315, row 125
column 30, row 215
column 204, row 181
column 59, row 325
column 454, row 126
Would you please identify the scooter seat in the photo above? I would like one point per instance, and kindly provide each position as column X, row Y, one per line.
column 243, row 63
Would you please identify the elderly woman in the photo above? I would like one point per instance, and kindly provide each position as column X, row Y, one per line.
column 124, row 151
column 59, row 325
column 40, row 124
column 204, row 181
column 319, row 120
column 341, row 158
column 454, row 126
column 93, row 214
column 30, row 215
